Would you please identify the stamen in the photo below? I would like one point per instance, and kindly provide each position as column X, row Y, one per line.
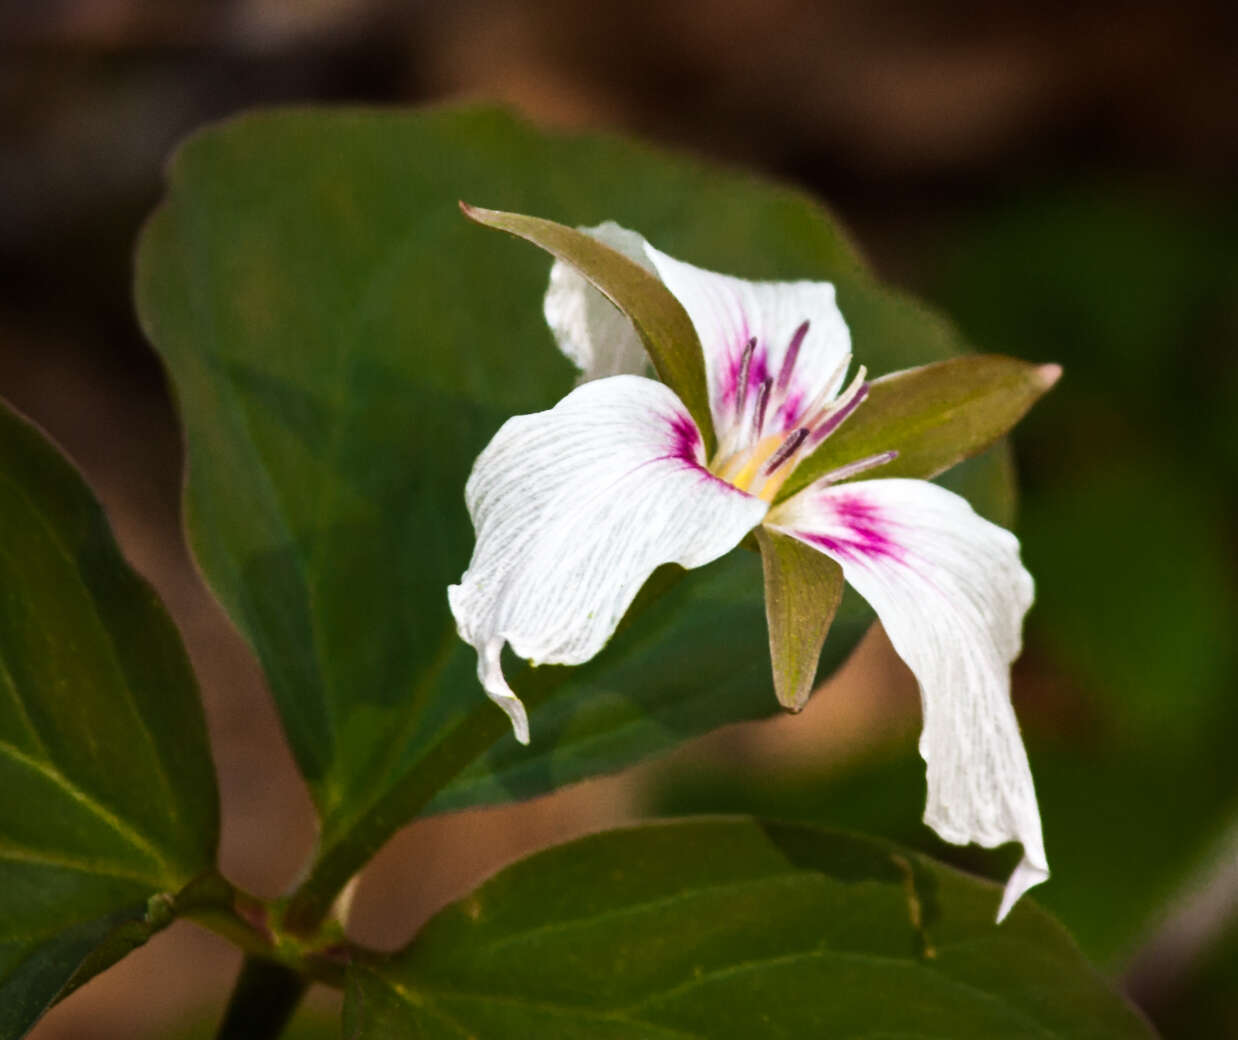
column 752, row 461
column 860, row 466
column 788, row 361
column 758, row 418
column 789, row 447
column 745, row 363
column 851, row 399
column 821, row 403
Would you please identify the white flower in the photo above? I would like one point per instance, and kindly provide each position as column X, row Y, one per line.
column 576, row 506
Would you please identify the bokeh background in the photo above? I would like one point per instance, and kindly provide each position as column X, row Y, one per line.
column 1061, row 180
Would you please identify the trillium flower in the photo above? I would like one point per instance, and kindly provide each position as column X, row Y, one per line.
column 575, row 507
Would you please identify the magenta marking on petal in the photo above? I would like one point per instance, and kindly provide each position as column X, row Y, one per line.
column 686, row 447
column 728, row 381
column 859, row 531
column 686, row 439
column 743, row 371
column 758, row 373
column 788, row 414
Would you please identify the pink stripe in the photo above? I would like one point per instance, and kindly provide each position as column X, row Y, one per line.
column 686, row 447
column 862, row 532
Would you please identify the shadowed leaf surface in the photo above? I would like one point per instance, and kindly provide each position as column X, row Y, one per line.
column 109, row 803
column 736, row 927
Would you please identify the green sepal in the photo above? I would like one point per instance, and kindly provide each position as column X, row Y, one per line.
column 803, row 588
column 659, row 319
column 934, row 416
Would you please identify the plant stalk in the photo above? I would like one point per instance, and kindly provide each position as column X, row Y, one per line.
column 264, row 1000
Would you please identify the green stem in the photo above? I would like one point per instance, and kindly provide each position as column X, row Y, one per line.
column 253, row 925
column 265, row 998
column 472, row 737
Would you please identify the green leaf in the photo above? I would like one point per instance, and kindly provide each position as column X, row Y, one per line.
column 658, row 317
column 342, row 344
column 803, row 588
column 735, row 927
column 934, row 417
column 1102, row 802
column 109, row 804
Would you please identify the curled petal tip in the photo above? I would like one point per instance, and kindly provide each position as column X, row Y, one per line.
column 520, row 721
column 1026, row 875
column 1049, row 374
column 513, row 707
column 490, row 671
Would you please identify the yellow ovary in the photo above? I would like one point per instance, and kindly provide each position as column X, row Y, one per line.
column 745, row 469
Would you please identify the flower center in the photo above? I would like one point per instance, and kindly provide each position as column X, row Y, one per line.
column 769, row 432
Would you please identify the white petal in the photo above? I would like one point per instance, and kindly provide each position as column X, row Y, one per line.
column 588, row 328
column 727, row 312
column 573, row 509
column 951, row 593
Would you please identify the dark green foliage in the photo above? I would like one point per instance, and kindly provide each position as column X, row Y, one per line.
column 735, row 928
column 109, row 804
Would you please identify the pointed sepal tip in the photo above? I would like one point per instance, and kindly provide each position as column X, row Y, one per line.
column 1048, row 375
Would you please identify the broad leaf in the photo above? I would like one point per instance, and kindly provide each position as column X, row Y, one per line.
column 342, row 343
column 803, row 588
column 109, row 803
column 934, row 417
column 735, row 928
column 659, row 319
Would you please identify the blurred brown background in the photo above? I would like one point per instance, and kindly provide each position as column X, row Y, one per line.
column 948, row 135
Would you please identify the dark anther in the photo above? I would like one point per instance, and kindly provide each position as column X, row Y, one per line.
column 745, row 362
column 841, row 411
column 793, row 351
column 762, row 401
column 788, row 448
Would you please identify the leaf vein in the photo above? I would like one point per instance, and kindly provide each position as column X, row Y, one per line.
column 48, row 771
column 10, row 684
column 885, row 960
column 108, row 639
column 648, row 905
column 617, row 1016
column 14, row 853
